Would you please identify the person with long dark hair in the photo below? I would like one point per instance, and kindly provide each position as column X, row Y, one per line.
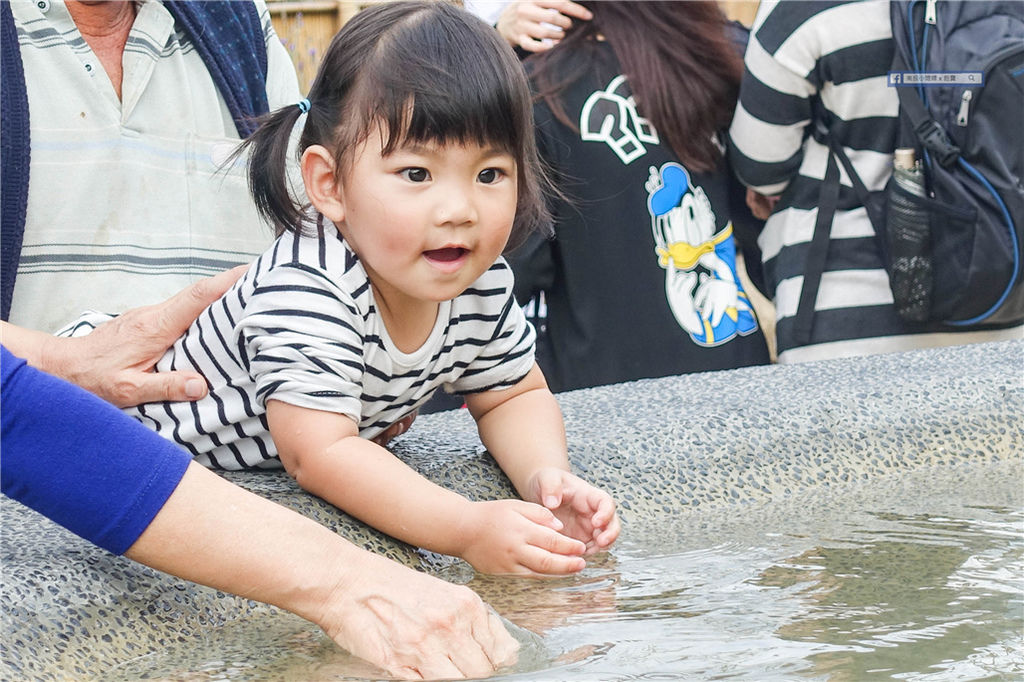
column 641, row 278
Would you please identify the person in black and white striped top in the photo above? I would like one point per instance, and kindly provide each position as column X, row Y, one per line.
column 417, row 155
column 836, row 55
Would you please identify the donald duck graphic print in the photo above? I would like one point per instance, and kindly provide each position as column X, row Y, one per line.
column 702, row 287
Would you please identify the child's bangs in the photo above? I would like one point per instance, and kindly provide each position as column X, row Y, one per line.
column 425, row 89
column 459, row 118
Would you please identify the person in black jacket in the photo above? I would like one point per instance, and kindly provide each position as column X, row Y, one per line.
column 641, row 278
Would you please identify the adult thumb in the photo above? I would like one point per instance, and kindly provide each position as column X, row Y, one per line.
column 179, row 311
column 177, row 386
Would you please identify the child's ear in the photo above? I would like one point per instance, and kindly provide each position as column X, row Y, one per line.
column 321, row 182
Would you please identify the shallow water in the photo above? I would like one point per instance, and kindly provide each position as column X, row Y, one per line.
column 910, row 580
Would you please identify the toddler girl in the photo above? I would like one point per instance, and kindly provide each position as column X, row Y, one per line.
column 418, row 157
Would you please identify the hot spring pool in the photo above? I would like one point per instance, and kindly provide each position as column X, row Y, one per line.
column 858, row 519
column 917, row 578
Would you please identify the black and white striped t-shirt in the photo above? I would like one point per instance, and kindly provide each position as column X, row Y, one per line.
column 301, row 327
column 836, row 55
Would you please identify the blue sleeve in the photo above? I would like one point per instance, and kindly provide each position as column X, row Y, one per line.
column 80, row 461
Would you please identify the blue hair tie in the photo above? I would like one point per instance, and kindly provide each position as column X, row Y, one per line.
column 304, row 106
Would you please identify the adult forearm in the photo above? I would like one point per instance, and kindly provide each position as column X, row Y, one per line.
column 37, row 348
column 217, row 534
column 409, row 623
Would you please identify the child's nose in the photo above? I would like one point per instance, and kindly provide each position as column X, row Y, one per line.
column 456, row 208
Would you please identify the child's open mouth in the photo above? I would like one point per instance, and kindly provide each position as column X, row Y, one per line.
column 447, row 254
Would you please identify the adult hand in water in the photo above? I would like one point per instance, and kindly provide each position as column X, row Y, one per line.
column 416, row 626
column 411, row 624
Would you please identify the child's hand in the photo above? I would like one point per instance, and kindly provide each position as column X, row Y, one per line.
column 512, row 537
column 395, row 430
column 587, row 513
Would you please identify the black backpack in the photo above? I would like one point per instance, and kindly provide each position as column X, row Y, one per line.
column 969, row 134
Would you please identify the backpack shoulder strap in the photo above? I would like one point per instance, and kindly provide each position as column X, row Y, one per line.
column 14, row 155
column 828, row 204
column 918, row 127
column 817, row 253
column 229, row 37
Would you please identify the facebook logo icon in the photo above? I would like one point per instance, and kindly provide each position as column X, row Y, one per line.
column 907, row 79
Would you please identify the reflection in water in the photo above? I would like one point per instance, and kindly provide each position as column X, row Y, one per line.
column 916, row 588
column 883, row 596
column 933, row 592
column 543, row 606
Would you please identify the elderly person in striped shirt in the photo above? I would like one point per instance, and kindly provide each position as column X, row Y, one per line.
column 126, row 109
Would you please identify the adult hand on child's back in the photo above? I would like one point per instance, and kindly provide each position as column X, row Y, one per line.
column 116, row 360
column 512, row 537
column 587, row 513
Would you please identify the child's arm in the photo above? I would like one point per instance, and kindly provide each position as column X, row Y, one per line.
column 522, row 428
column 326, row 456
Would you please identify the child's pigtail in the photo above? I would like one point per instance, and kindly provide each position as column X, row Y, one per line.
column 268, row 168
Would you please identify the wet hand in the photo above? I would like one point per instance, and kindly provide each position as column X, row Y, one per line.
column 512, row 537
column 416, row 626
column 587, row 513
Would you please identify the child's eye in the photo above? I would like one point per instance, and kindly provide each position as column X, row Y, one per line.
column 415, row 174
column 489, row 176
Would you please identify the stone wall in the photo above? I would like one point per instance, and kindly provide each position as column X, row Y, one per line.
column 664, row 448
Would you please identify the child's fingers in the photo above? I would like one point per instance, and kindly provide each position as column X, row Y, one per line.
column 605, row 507
column 593, row 504
column 549, row 487
column 545, row 537
column 540, row 515
column 604, row 538
column 557, row 543
column 545, row 563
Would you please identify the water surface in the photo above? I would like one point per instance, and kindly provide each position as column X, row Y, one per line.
column 920, row 577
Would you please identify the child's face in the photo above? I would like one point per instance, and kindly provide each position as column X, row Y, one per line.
column 427, row 221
